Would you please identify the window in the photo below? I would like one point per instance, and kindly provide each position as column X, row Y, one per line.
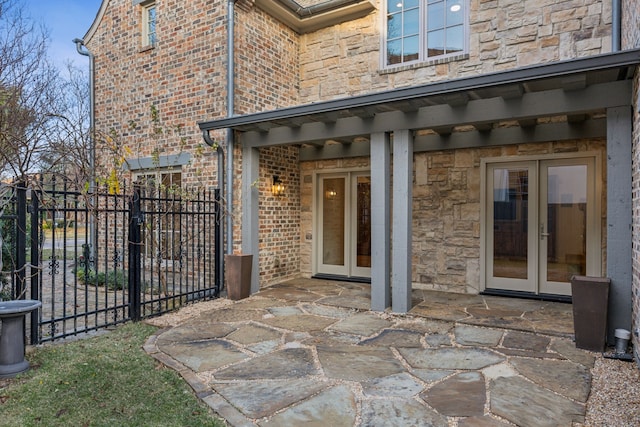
column 418, row 30
column 149, row 36
column 161, row 199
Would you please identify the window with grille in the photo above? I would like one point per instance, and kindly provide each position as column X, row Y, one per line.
column 420, row 30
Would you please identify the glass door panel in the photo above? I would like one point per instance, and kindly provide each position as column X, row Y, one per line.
column 361, row 250
column 333, row 224
column 510, row 223
column 344, row 224
column 565, row 213
column 510, row 228
column 541, row 224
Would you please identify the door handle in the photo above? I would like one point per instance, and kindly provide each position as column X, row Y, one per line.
column 542, row 233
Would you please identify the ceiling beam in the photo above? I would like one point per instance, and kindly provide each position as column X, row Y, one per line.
column 561, row 131
column 536, row 104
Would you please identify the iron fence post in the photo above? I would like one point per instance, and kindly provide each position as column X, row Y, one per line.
column 134, row 286
column 219, row 260
column 21, row 241
column 35, row 264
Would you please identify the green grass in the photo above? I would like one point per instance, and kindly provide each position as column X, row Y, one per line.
column 102, row 381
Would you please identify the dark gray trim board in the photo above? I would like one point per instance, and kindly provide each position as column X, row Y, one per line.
column 173, row 160
column 617, row 62
column 561, row 131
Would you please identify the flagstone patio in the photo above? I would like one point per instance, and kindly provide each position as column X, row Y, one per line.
column 310, row 352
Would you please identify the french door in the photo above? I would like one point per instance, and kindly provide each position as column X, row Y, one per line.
column 542, row 225
column 343, row 231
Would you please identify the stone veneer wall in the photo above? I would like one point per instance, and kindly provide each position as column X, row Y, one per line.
column 346, row 59
column 446, row 209
column 631, row 40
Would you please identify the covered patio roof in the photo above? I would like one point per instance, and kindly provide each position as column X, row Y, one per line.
column 580, row 89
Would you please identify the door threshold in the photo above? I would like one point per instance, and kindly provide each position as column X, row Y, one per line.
column 339, row 278
column 526, row 295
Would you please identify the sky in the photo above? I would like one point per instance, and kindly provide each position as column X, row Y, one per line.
column 65, row 20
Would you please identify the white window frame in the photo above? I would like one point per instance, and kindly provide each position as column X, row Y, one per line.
column 149, row 39
column 422, row 51
column 160, row 235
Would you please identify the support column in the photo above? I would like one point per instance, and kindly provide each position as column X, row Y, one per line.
column 250, row 169
column 380, row 222
column 402, row 220
column 619, row 218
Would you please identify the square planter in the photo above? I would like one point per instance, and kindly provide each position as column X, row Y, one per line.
column 590, row 299
column 238, row 274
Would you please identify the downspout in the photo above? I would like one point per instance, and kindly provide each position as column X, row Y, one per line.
column 219, row 255
column 84, row 51
column 616, row 25
column 231, row 87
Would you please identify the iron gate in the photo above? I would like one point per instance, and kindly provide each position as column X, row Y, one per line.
column 98, row 259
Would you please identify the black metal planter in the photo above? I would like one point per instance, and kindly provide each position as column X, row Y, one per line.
column 590, row 299
column 12, row 345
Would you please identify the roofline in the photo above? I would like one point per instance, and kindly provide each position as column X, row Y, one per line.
column 96, row 21
column 306, row 19
column 518, row 75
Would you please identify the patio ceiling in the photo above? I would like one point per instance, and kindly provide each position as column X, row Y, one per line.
column 305, row 16
column 455, row 113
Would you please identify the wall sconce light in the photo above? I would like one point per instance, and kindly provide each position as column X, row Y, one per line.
column 277, row 187
column 330, row 194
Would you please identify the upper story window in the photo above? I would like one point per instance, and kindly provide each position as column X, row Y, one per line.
column 419, row 30
column 149, row 36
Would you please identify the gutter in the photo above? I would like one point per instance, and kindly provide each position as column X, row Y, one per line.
column 316, row 9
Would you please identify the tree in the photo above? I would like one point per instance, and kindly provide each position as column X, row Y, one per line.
column 30, row 89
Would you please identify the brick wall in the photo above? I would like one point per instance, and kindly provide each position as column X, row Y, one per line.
column 279, row 216
column 630, row 40
column 345, row 60
column 446, row 209
column 183, row 77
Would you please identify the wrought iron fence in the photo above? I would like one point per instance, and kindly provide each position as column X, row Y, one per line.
column 98, row 259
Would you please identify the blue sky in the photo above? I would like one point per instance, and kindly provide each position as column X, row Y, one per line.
column 66, row 20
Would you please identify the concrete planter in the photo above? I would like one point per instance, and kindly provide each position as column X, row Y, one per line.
column 590, row 299
column 12, row 346
column 238, row 273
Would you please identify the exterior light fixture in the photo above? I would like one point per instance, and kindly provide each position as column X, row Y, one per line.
column 277, row 187
column 330, row 194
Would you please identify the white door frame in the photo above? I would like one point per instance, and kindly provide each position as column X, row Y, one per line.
column 350, row 269
column 594, row 237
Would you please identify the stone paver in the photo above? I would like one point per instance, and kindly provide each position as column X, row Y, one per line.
column 529, row 405
column 462, row 395
column 471, row 335
column 258, row 400
column 306, row 352
column 334, row 407
column 451, row 358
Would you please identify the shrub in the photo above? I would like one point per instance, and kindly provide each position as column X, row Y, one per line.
column 113, row 279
